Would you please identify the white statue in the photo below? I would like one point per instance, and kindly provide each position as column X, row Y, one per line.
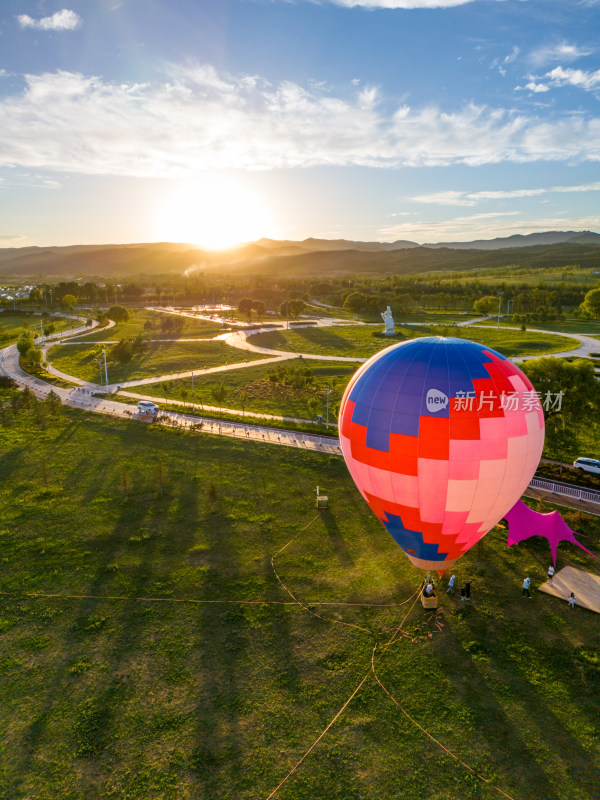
column 387, row 317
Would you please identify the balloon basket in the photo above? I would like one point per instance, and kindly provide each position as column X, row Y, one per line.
column 429, row 602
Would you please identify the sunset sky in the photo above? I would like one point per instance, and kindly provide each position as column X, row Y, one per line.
column 220, row 121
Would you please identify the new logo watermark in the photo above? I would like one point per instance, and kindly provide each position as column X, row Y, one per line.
column 436, row 400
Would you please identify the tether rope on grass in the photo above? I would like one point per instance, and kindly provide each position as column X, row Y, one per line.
column 305, row 606
column 348, row 701
column 426, row 732
column 60, row 596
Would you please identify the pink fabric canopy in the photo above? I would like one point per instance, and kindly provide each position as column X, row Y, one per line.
column 523, row 523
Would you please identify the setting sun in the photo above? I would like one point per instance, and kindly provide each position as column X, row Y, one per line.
column 214, row 213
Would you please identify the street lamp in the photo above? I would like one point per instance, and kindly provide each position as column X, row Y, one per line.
column 287, row 325
column 327, row 406
column 499, row 304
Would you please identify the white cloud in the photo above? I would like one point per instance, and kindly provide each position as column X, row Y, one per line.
column 453, row 198
column 64, row 20
column 561, row 51
column 560, row 77
column 574, row 77
column 534, row 87
column 199, row 120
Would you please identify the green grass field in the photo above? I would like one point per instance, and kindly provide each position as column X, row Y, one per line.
column 360, row 341
column 253, row 388
column 13, row 324
column 160, row 358
column 193, row 328
column 118, row 690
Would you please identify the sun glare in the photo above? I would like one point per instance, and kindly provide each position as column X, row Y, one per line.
column 214, row 214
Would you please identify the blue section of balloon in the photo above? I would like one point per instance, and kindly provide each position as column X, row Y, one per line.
column 411, row 541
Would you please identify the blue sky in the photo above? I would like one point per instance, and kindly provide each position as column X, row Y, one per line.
column 215, row 121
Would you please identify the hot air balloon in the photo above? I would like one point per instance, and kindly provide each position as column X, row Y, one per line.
column 441, row 437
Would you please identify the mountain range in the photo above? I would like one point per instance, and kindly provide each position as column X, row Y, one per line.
column 310, row 256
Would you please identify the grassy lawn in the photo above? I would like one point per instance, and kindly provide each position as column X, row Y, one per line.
column 130, row 698
column 252, row 388
column 159, row 359
column 192, row 328
column 568, row 325
column 13, row 324
column 360, row 341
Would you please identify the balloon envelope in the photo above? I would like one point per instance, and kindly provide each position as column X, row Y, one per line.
column 441, row 437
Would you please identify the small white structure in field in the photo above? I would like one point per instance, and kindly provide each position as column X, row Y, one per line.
column 322, row 500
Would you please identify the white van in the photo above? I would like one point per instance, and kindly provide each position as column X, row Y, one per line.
column 146, row 407
column 588, row 465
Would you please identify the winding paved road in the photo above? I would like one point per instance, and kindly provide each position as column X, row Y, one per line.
column 81, row 395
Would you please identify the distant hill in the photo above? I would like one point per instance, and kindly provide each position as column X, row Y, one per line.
column 308, row 257
column 419, row 259
column 528, row 240
column 335, row 244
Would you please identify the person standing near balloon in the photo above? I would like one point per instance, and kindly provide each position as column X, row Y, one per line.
column 451, row 584
column 468, row 590
column 526, row 584
column 550, row 574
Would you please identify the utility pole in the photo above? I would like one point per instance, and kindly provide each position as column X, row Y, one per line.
column 287, row 325
column 327, row 406
column 499, row 304
column 193, row 397
column 105, row 368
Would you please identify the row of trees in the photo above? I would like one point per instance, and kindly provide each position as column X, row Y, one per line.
column 29, row 353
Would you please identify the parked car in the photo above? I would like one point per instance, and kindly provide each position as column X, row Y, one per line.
column 146, row 407
column 588, row 465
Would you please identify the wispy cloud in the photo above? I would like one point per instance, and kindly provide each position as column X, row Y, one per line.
column 13, row 240
column 198, row 119
column 559, row 77
column 574, row 77
column 64, row 20
column 462, row 229
column 453, row 198
column 560, row 51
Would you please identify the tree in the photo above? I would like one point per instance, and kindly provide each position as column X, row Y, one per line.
column 292, row 308
column 245, row 306
column 117, row 314
column 36, row 296
column 259, row 307
column 122, row 351
column 54, row 403
column 25, row 343
column 356, row 302
column 486, row 305
column 313, row 404
column 34, row 356
column 580, row 398
column 219, row 394
column 139, row 343
column 68, row 301
column 591, row 304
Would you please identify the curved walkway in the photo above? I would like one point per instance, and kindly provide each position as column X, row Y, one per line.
column 82, row 398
